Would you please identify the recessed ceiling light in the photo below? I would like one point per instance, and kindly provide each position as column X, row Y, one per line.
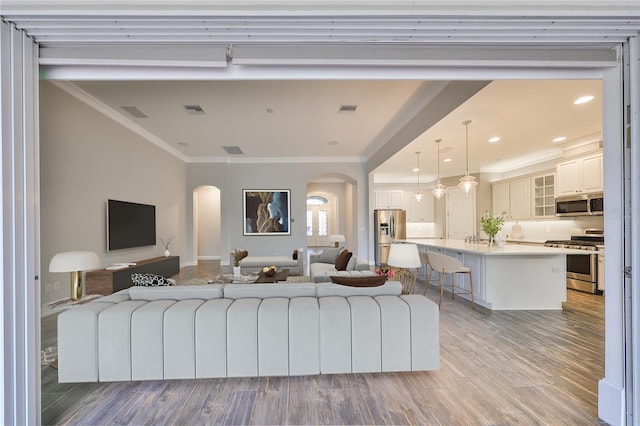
column 269, row 110
column 494, row 139
column 332, row 143
column 447, row 160
column 415, row 170
column 183, row 144
column 560, row 139
column 583, row 100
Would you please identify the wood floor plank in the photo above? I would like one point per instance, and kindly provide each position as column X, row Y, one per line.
column 510, row 367
column 315, row 392
column 269, row 407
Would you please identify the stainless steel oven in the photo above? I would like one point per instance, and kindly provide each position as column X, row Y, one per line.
column 582, row 269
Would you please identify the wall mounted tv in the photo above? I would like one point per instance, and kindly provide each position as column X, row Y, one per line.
column 130, row 225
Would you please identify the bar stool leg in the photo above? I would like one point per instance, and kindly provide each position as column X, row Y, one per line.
column 473, row 303
column 441, row 287
column 453, row 286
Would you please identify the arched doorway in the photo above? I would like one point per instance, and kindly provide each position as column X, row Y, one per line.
column 321, row 218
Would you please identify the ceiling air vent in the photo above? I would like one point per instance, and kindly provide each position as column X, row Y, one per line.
column 233, row 150
column 134, row 111
column 194, row 109
column 347, row 108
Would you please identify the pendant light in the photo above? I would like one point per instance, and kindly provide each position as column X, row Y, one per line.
column 419, row 194
column 467, row 182
column 439, row 189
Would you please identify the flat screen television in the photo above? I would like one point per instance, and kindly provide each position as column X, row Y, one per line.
column 130, row 225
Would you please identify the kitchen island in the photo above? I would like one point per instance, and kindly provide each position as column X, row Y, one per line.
column 513, row 277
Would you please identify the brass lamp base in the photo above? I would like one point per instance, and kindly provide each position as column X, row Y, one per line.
column 76, row 285
column 407, row 279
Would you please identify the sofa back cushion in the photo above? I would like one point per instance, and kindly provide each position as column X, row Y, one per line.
column 329, row 255
column 264, row 291
column 390, row 288
column 179, row 292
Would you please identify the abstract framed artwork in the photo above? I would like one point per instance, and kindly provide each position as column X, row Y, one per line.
column 266, row 211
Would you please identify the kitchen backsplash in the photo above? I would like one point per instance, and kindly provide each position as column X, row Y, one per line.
column 532, row 230
column 542, row 230
column 421, row 229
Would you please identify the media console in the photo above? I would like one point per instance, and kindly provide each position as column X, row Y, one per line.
column 107, row 281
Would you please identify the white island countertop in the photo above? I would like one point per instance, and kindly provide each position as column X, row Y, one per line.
column 512, row 277
column 484, row 249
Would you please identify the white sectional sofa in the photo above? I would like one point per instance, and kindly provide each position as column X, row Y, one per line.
column 322, row 271
column 247, row 330
column 254, row 264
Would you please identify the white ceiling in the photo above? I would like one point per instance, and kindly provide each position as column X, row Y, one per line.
column 300, row 120
column 246, row 36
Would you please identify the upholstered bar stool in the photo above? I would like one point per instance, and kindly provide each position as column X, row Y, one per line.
column 450, row 265
column 428, row 270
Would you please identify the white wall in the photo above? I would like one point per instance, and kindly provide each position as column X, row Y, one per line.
column 86, row 158
column 232, row 178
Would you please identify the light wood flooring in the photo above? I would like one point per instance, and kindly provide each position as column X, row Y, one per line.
column 507, row 368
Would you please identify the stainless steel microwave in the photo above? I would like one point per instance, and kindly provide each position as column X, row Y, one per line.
column 580, row 205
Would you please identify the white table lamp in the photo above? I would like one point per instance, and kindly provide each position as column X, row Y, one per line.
column 336, row 239
column 405, row 257
column 75, row 262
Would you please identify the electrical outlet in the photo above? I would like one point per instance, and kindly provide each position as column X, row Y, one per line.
column 547, row 229
column 56, row 286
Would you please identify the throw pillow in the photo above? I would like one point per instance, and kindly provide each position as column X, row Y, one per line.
column 295, row 255
column 360, row 281
column 329, row 255
column 342, row 260
column 351, row 265
column 149, row 280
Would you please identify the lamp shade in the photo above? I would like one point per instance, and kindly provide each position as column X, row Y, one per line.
column 404, row 256
column 336, row 238
column 70, row 261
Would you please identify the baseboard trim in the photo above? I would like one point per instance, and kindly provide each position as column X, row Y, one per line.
column 209, row 257
column 611, row 403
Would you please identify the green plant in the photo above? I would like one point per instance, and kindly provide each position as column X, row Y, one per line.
column 491, row 225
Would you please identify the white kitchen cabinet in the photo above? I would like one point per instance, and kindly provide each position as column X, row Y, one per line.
column 544, row 196
column 500, row 197
column 579, row 176
column 422, row 211
column 512, row 197
column 520, row 199
column 388, row 199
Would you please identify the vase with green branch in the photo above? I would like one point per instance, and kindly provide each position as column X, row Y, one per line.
column 491, row 225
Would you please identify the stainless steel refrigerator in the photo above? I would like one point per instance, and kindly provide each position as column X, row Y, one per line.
column 389, row 225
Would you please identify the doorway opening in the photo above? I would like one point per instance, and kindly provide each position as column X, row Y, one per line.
column 321, row 218
column 206, row 210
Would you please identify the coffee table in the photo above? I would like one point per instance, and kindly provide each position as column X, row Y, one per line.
column 281, row 275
